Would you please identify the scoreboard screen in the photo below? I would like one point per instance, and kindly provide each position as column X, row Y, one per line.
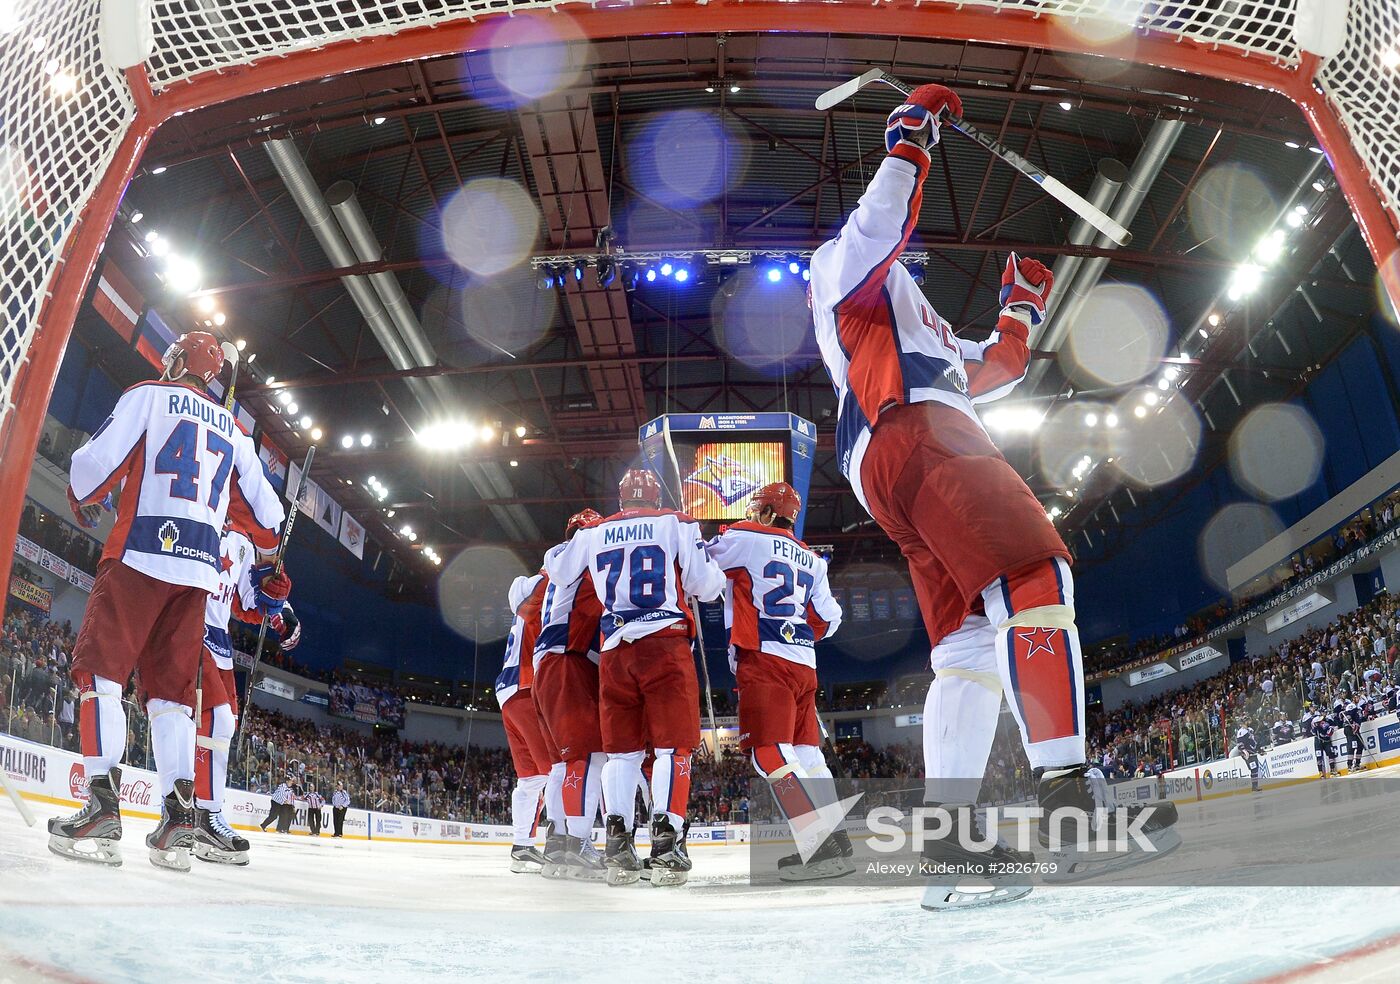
column 718, row 477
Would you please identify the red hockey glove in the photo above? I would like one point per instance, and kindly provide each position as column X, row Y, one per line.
column 88, row 515
column 1025, row 286
column 916, row 121
column 288, row 628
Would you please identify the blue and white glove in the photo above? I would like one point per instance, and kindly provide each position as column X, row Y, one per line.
column 916, row 122
column 272, row 589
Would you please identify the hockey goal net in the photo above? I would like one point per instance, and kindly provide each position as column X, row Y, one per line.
column 83, row 84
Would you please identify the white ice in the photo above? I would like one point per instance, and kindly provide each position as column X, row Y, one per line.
column 322, row 910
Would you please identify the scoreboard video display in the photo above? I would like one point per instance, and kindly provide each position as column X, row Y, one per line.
column 711, row 464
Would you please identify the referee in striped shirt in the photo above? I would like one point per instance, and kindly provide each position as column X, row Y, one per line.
column 314, row 802
column 340, row 802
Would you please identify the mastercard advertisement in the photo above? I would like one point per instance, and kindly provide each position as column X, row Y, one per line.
column 719, row 477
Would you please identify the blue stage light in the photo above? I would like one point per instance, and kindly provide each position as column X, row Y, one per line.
column 651, row 275
column 774, row 275
column 806, row 274
column 794, row 267
column 666, row 269
column 682, row 275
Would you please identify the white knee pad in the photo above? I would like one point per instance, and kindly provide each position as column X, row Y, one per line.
column 172, row 741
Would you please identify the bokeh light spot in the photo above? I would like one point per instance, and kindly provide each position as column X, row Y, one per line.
column 1118, row 336
column 1231, row 210
column 1159, row 445
column 764, row 324
column 684, row 159
column 1231, row 535
column 535, row 55
column 473, row 589
column 1276, row 451
column 490, row 225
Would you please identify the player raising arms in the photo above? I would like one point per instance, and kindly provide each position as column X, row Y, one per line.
column 181, row 465
column 566, row 696
column 643, row 562
column 990, row 571
column 778, row 606
column 237, row 597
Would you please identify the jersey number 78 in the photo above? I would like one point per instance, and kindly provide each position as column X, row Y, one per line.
column 646, row 575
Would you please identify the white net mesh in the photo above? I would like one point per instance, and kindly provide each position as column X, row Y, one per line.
column 62, row 115
column 1363, row 83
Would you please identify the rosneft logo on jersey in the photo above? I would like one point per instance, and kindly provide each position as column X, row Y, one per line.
column 169, row 536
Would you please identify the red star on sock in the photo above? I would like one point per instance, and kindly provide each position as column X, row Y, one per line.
column 1039, row 640
column 683, row 766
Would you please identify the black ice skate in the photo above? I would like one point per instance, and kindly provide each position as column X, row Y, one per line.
column 670, row 864
column 173, row 837
column 582, row 862
column 624, row 867
column 93, row 833
column 1061, row 788
column 526, row 859
column 963, row 875
column 554, row 848
column 830, row 860
column 215, row 841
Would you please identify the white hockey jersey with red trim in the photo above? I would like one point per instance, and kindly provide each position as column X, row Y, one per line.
column 236, row 592
column 643, row 562
column 778, row 600
column 182, row 465
column 881, row 340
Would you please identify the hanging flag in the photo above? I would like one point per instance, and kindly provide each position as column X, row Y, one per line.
column 315, row 502
column 117, row 301
column 274, row 463
column 352, row 535
column 153, row 338
column 244, row 416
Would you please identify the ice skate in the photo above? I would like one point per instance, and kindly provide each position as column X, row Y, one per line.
column 170, row 842
column 670, row 864
column 962, row 878
column 93, row 833
column 830, row 860
column 555, row 844
column 1062, row 788
column 624, row 867
column 215, row 841
column 582, row 862
column 526, row 859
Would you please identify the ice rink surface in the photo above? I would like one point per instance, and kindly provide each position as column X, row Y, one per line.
column 322, row 910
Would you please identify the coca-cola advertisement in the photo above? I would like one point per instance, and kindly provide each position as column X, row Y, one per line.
column 135, row 791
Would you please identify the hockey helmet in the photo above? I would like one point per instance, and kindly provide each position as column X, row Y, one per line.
column 200, row 354
column 781, row 497
column 581, row 521
column 639, row 489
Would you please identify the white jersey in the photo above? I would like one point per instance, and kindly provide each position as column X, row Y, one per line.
column 235, row 584
column 642, row 563
column 182, row 465
column 282, row 794
column 778, row 600
column 881, row 339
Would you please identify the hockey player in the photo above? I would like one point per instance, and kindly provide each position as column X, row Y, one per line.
column 990, row 571
column 1247, row 748
column 643, row 562
column 530, row 749
column 214, row 840
column 777, row 607
column 1352, row 717
column 181, row 465
column 566, row 696
column 1323, row 730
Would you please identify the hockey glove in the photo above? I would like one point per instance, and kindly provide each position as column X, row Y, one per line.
column 89, row 515
column 272, row 589
column 1025, row 287
column 288, row 628
column 917, row 121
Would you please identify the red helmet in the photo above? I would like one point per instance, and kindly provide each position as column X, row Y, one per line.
column 781, row 497
column 581, row 521
column 203, row 355
column 639, row 487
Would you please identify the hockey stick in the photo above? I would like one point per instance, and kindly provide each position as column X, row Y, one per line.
column 231, row 357
column 24, row 811
column 1052, row 186
column 262, row 628
column 676, row 496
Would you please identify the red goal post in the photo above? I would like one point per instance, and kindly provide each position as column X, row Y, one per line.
column 73, row 125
